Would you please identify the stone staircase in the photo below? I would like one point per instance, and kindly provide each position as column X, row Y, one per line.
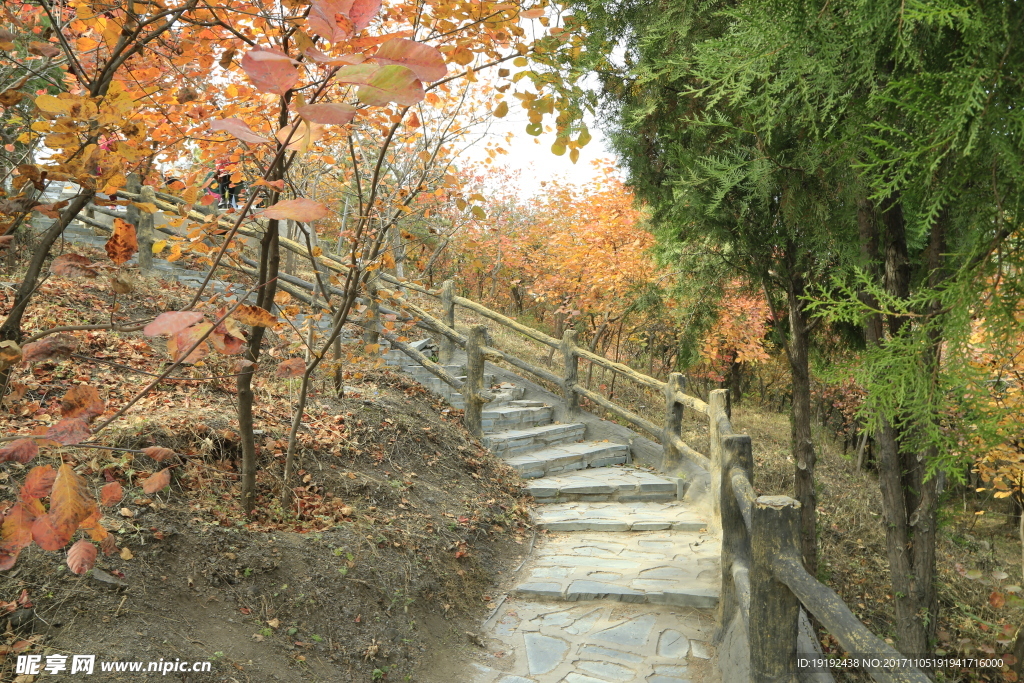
column 622, row 587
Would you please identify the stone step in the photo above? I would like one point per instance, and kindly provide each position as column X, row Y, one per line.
column 597, row 643
column 519, row 441
column 679, row 568
column 507, row 417
column 574, row 456
column 675, row 516
column 622, row 484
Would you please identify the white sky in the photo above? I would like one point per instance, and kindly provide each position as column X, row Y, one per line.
column 532, row 156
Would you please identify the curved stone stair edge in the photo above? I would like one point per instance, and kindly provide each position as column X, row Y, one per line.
column 695, row 480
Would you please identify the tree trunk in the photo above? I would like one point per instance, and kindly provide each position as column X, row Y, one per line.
column 909, row 501
column 270, row 262
column 800, row 415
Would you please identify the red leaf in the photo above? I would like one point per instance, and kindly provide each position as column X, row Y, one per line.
column 54, row 349
column 72, row 265
column 227, row 344
column 157, row 481
column 171, row 323
column 17, row 526
column 158, row 453
column 425, row 61
column 111, row 494
column 329, row 19
column 997, row 600
column 82, row 557
column 331, row 114
column 22, row 450
column 82, row 401
column 38, row 482
column 293, row 367
column 123, row 243
column 302, row 210
column 362, row 12
column 391, row 83
column 239, row 129
column 179, row 344
column 69, row 431
column 271, row 71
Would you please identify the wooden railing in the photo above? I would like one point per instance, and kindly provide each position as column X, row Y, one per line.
column 764, row 583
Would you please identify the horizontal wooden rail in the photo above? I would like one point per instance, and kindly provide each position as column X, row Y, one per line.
column 836, row 617
column 691, row 402
column 430, row 365
column 630, row 417
column 507, row 322
column 625, row 370
column 688, row 452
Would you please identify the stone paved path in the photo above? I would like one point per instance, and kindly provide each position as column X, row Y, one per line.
column 622, row 586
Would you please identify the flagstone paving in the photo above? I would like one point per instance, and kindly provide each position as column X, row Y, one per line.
column 624, row 580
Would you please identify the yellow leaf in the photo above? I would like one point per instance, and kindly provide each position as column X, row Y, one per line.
column 126, row 554
column 501, row 110
column 50, row 103
column 372, row 348
column 159, row 246
column 147, row 207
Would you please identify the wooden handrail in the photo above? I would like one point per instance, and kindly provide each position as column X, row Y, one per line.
column 826, row 605
column 695, row 456
column 507, row 322
column 637, row 377
column 633, row 418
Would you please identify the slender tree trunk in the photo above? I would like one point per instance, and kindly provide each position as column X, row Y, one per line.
column 270, row 262
column 800, row 415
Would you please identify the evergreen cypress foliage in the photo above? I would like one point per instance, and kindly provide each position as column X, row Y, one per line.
column 876, row 146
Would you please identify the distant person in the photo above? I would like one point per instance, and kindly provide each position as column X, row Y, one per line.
column 228, row 191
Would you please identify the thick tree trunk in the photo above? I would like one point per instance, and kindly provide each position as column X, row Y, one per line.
column 909, row 501
column 802, row 442
column 270, row 262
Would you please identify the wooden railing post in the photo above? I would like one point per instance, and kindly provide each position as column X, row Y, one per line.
column 716, row 408
column 473, row 389
column 447, row 349
column 569, row 375
column 372, row 316
column 736, row 456
column 144, row 228
column 774, row 610
column 671, row 456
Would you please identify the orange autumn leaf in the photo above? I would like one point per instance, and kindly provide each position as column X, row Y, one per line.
column 122, row 244
column 111, row 494
column 82, row 401
column 157, row 481
column 158, row 453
